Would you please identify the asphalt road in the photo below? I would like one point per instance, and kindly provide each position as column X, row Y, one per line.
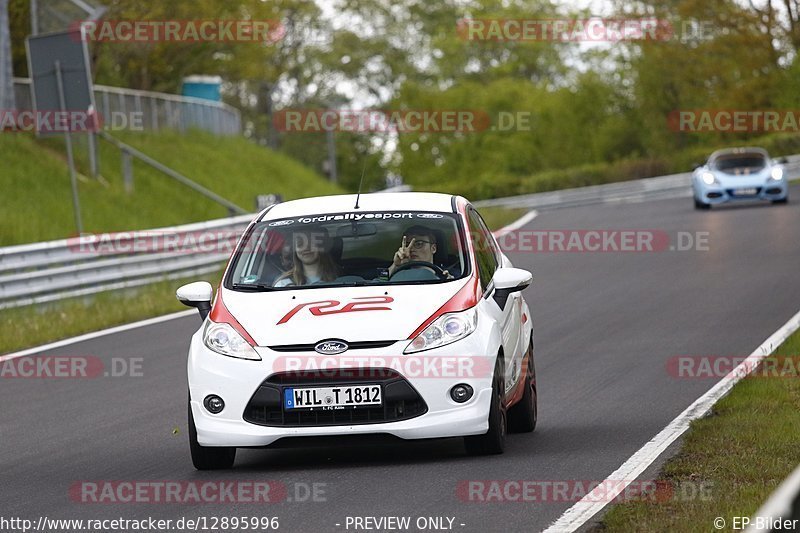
column 606, row 325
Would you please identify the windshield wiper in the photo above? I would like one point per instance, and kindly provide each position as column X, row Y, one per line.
column 255, row 287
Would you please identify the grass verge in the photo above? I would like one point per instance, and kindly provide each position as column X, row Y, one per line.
column 741, row 453
column 33, row 325
column 499, row 217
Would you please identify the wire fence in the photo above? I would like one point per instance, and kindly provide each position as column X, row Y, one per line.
column 148, row 110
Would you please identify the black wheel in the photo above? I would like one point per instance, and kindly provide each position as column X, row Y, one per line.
column 781, row 201
column 700, row 205
column 208, row 457
column 522, row 415
column 494, row 440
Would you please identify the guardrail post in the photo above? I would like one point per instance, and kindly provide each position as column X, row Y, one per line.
column 170, row 123
column 106, row 106
column 93, row 167
column 127, row 170
column 154, row 113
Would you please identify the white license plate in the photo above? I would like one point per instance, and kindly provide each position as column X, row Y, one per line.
column 746, row 192
column 332, row 397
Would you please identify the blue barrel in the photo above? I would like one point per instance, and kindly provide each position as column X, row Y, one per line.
column 206, row 87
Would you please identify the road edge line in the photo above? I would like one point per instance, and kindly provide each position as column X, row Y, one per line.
column 595, row 501
column 521, row 221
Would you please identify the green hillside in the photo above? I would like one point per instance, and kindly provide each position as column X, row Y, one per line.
column 36, row 201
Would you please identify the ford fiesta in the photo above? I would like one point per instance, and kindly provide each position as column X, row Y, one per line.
column 389, row 314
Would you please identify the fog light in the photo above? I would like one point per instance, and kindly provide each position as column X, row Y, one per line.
column 461, row 393
column 214, row 404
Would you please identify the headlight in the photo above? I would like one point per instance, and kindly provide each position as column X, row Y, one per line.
column 223, row 339
column 709, row 178
column 447, row 328
column 776, row 174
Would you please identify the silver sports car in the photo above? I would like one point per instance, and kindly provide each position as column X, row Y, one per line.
column 736, row 174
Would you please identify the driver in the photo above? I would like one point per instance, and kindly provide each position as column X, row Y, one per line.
column 419, row 244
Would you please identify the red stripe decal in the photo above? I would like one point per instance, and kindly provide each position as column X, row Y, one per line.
column 220, row 314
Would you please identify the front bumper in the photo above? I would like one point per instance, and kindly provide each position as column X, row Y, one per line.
column 237, row 380
column 726, row 192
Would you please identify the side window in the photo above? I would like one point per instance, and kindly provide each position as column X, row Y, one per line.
column 484, row 248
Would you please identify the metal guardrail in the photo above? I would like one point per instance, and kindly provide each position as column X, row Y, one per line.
column 50, row 271
column 782, row 505
column 672, row 186
column 157, row 110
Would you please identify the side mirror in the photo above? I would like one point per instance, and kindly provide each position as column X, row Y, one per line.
column 783, row 160
column 507, row 281
column 197, row 294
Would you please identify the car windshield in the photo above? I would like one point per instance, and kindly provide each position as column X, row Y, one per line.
column 740, row 163
column 359, row 248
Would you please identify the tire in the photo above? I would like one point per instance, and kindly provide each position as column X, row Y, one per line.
column 701, row 206
column 493, row 442
column 208, row 457
column 522, row 416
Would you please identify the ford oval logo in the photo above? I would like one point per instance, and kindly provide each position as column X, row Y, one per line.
column 282, row 223
column 331, row 347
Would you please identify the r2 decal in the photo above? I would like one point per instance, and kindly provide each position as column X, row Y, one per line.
column 329, row 307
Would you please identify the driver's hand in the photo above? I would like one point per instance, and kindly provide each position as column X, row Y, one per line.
column 403, row 254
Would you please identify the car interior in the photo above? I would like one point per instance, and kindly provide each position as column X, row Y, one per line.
column 362, row 251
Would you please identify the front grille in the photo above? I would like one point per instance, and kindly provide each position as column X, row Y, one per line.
column 734, row 192
column 359, row 345
column 400, row 400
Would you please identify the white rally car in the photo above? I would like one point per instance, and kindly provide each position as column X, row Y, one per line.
column 392, row 314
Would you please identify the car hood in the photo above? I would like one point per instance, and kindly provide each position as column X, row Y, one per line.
column 743, row 180
column 303, row 316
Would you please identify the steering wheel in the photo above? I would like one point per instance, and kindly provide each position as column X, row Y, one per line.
column 439, row 271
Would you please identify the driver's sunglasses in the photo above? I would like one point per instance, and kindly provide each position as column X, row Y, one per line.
column 418, row 244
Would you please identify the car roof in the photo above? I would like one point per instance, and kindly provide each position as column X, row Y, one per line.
column 344, row 203
column 738, row 151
